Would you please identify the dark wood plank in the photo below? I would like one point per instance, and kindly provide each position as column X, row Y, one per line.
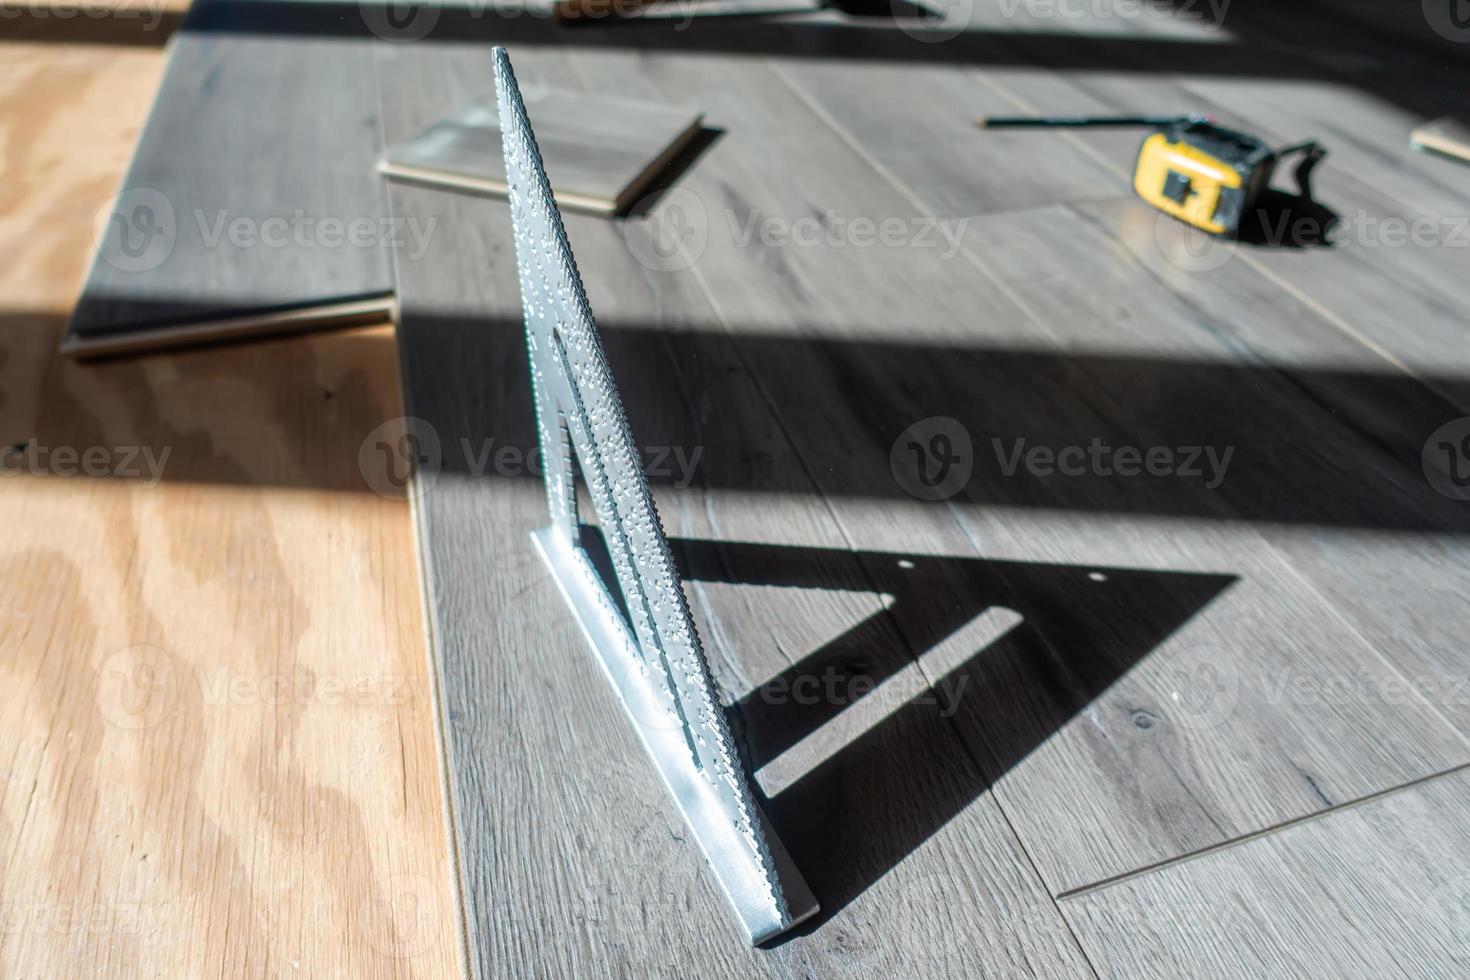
column 251, row 198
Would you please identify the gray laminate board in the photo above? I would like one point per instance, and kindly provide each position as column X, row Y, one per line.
column 1403, row 592
column 1149, row 671
column 251, row 197
column 1370, row 330
column 1377, row 890
column 600, row 153
column 572, row 860
column 1103, row 780
column 1404, row 237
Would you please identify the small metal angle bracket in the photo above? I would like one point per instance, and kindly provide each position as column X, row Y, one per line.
column 653, row 657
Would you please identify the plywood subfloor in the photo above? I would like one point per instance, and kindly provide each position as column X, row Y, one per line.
column 217, row 748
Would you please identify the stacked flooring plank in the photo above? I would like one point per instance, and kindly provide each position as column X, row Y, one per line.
column 1147, row 687
column 251, row 205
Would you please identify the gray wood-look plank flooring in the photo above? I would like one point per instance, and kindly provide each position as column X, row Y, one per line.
column 1381, row 889
column 633, row 887
column 1132, row 673
column 251, row 198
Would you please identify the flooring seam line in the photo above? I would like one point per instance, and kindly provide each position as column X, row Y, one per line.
column 1332, row 319
column 1370, row 444
column 904, row 191
column 418, row 521
column 1082, row 891
column 984, row 269
column 1435, row 709
column 1356, row 434
column 439, row 712
column 914, row 655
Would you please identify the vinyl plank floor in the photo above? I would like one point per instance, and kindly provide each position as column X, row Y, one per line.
column 1124, row 658
column 1302, row 901
column 892, row 825
column 1410, row 614
column 251, row 198
column 1403, row 234
column 996, row 354
column 1368, row 330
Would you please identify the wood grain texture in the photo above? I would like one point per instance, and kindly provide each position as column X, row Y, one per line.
column 1185, row 350
column 573, row 860
column 600, row 153
column 1360, row 95
column 217, row 752
column 1052, row 359
column 1303, row 901
column 1169, row 666
column 251, row 192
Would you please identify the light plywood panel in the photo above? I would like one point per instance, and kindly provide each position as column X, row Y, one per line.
column 217, row 752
